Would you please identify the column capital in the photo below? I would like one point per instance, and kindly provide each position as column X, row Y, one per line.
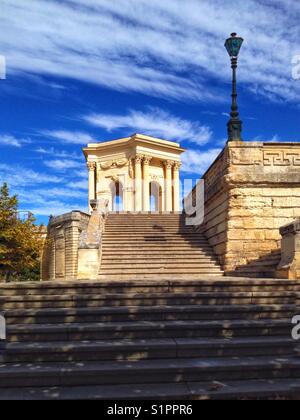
column 177, row 166
column 138, row 158
column 91, row 166
column 147, row 160
column 168, row 164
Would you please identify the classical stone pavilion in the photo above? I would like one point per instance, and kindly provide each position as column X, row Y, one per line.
column 134, row 174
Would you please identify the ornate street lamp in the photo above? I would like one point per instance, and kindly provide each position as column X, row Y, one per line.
column 235, row 125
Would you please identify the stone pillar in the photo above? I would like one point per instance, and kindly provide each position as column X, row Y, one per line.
column 138, row 183
column 72, row 238
column 92, row 181
column 168, row 186
column 146, row 184
column 289, row 267
column 176, row 182
column 51, row 258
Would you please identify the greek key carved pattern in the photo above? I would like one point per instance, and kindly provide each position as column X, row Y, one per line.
column 281, row 158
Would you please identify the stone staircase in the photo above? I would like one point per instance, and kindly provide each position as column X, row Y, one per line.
column 147, row 246
column 225, row 338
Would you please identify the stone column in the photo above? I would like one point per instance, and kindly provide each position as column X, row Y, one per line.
column 146, row 185
column 138, row 183
column 52, row 257
column 176, row 182
column 72, row 233
column 168, row 186
column 92, row 181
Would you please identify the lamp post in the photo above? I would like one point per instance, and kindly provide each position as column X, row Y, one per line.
column 235, row 125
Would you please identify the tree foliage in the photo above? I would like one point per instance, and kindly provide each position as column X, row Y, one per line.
column 20, row 241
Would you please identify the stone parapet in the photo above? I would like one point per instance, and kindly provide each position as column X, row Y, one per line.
column 60, row 255
column 251, row 190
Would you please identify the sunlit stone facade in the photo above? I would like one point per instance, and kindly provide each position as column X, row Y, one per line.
column 135, row 174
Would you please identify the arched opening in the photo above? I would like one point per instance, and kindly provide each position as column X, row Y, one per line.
column 155, row 197
column 117, row 196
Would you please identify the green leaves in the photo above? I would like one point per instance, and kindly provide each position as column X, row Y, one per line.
column 20, row 241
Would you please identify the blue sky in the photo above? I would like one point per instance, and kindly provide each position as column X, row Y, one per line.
column 94, row 70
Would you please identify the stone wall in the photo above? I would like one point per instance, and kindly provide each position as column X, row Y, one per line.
column 251, row 190
column 60, row 255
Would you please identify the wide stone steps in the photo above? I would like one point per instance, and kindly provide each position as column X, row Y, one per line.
column 147, row 372
column 140, row 237
column 165, row 249
column 154, row 264
column 157, row 259
column 224, row 284
column 148, row 299
column 147, row 269
column 148, row 313
column 147, row 329
column 227, row 390
column 146, row 349
column 155, row 339
column 185, row 243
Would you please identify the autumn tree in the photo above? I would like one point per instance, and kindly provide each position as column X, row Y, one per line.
column 20, row 241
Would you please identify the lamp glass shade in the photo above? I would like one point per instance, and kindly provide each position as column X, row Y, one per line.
column 233, row 45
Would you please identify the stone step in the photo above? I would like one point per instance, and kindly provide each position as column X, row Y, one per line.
column 184, row 253
column 146, row 216
column 133, row 265
column 224, row 284
column 133, row 299
column 151, row 229
column 151, row 223
column 163, row 276
column 134, row 350
column 262, row 389
column 156, row 259
column 148, row 313
column 155, row 238
column 147, row 372
column 157, row 263
column 167, row 248
column 175, row 239
column 147, row 329
column 157, row 270
column 156, row 226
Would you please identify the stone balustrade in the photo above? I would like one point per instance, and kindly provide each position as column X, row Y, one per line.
column 251, row 190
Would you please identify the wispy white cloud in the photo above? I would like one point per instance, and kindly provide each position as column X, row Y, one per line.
column 69, row 137
column 20, row 176
column 275, row 139
column 155, row 122
column 164, row 48
column 61, row 154
column 197, row 161
column 11, row 141
column 45, row 193
column 62, row 164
